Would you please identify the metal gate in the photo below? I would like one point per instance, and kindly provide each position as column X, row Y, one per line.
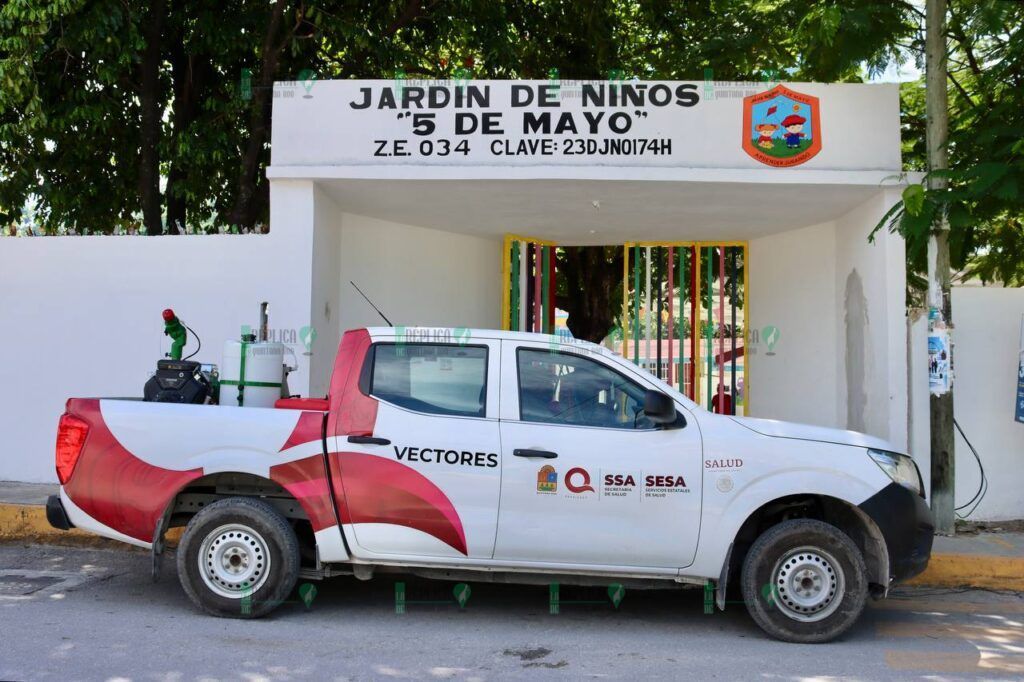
column 528, row 302
column 698, row 337
column 684, row 311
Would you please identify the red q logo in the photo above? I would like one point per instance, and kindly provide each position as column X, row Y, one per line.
column 581, row 473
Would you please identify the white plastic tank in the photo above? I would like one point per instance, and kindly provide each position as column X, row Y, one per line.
column 256, row 383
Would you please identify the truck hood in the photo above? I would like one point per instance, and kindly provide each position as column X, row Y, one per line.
column 821, row 434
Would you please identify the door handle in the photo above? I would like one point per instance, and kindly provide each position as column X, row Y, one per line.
column 368, row 440
column 527, row 452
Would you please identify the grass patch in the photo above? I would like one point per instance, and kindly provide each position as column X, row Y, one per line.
column 780, row 150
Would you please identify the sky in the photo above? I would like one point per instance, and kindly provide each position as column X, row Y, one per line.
column 902, row 73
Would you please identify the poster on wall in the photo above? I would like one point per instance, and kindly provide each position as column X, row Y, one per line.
column 1019, row 411
column 938, row 361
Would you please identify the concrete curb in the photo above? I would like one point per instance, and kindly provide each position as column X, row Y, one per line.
column 973, row 570
column 27, row 523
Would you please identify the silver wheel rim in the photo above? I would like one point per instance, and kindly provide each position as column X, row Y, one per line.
column 234, row 561
column 808, row 584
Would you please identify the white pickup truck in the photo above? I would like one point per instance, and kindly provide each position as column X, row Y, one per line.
column 498, row 456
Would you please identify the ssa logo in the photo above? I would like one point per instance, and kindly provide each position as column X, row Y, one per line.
column 781, row 127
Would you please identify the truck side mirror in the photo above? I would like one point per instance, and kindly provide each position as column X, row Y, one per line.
column 659, row 408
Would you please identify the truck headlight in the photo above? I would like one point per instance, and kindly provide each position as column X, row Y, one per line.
column 900, row 468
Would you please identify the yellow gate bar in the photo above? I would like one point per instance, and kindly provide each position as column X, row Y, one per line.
column 506, row 284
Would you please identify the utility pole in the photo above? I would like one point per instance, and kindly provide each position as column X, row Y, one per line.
column 939, row 302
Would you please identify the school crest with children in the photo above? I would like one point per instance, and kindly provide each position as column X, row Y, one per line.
column 781, row 127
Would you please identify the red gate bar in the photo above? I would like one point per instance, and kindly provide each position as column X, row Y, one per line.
column 671, row 295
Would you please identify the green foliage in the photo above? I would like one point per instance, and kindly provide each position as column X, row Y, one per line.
column 913, row 199
column 984, row 202
column 71, row 103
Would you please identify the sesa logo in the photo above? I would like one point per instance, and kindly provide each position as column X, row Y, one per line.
column 661, row 486
column 665, row 482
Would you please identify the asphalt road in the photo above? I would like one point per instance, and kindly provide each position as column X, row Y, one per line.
column 95, row 614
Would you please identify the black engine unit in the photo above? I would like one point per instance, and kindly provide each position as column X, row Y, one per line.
column 177, row 381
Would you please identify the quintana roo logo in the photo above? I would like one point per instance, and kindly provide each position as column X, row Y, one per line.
column 781, row 127
column 547, row 479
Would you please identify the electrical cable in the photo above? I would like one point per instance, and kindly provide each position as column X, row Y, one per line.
column 982, row 484
column 199, row 341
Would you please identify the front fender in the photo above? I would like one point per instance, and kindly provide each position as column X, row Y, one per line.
column 721, row 523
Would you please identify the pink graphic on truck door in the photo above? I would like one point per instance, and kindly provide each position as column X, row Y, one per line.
column 372, row 489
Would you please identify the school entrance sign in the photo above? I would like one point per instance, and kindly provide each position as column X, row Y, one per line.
column 598, row 127
column 781, row 127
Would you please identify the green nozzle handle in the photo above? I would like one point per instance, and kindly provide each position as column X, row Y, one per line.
column 176, row 330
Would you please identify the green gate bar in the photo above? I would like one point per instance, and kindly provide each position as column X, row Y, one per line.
column 636, row 305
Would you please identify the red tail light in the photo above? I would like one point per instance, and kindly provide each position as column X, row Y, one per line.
column 71, row 433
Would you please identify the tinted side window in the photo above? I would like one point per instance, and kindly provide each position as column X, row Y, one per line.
column 432, row 378
column 563, row 388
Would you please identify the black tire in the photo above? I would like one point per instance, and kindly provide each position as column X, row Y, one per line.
column 808, row 611
column 251, row 532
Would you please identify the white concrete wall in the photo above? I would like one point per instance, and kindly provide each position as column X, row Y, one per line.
column 80, row 317
column 792, row 287
column 870, row 287
column 837, row 301
column 417, row 276
column 325, row 306
column 986, row 342
column 986, row 337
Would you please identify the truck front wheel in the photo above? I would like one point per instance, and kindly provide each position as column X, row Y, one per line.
column 238, row 558
column 804, row 581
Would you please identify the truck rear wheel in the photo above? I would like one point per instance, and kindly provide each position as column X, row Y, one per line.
column 804, row 581
column 238, row 558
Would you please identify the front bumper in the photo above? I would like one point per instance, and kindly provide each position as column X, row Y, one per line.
column 56, row 515
column 906, row 523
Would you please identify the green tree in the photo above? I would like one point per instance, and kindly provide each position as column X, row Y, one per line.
column 985, row 198
column 155, row 116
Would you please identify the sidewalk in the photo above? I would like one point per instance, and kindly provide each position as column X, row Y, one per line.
column 23, row 517
column 993, row 561
column 987, row 560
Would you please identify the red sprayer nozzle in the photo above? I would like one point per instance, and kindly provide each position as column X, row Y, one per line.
column 169, row 315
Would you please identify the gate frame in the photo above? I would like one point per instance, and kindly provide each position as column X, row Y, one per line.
column 698, row 244
column 506, row 289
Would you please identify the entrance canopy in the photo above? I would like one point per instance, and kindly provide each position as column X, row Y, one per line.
column 411, row 188
column 584, row 212
column 591, row 162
